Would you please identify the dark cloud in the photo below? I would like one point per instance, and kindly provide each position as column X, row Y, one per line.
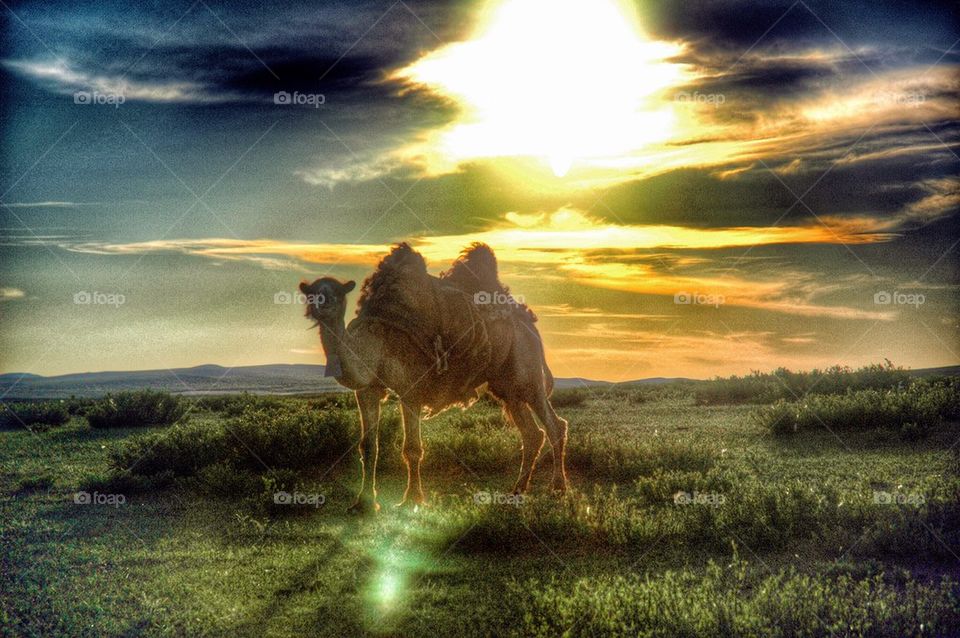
column 738, row 25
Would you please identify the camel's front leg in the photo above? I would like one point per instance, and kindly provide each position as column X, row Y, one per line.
column 412, row 454
column 368, row 400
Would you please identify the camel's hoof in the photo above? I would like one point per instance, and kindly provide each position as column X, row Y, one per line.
column 364, row 506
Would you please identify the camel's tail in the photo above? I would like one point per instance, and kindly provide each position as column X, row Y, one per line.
column 547, row 374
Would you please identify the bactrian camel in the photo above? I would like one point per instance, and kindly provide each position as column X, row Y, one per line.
column 436, row 342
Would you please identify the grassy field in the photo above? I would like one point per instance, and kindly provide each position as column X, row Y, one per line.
column 683, row 520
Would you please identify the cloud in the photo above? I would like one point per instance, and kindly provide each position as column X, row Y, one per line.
column 942, row 197
column 50, row 204
column 566, row 311
column 6, row 294
column 354, row 170
column 581, row 249
column 259, row 251
column 61, row 78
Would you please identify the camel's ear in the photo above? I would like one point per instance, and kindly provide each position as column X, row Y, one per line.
column 350, row 285
column 304, row 287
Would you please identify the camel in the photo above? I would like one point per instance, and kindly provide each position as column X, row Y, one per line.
column 436, row 342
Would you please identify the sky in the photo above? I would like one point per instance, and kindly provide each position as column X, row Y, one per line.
column 690, row 189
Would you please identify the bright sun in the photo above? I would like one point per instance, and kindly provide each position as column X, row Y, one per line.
column 562, row 80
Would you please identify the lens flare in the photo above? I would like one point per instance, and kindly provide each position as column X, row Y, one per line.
column 550, row 79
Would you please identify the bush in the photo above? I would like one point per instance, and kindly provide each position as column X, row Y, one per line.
column 913, row 410
column 293, row 437
column 136, row 409
column 782, row 384
column 79, row 406
column 35, row 416
column 569, row 398
column 729, row 601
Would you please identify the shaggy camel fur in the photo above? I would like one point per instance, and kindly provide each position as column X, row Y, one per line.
column 436, row 342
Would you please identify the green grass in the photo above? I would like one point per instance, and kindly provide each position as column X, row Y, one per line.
column 682, row 520
column 722, row 601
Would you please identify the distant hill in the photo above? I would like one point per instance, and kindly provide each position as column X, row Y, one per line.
column 203, row 379
column 281, row 378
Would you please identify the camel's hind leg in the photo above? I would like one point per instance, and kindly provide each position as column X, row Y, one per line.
column 533, row 438
column 557, row 433
column 368, row 401
column 412, row 454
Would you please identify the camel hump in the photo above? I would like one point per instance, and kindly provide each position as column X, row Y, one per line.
column 399, row 270
column 403, row 258
column 475, row 269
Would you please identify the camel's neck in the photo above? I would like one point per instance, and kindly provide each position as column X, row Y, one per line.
column 333, row 336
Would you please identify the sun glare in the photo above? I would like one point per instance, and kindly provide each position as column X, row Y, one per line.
column 560, row 80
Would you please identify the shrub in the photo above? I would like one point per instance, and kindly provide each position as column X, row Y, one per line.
column 136, row 409
column 214, row 403
column 782, row 384
column 295, row 437
column 35, row 416
column 79, row 406
column 912, row 410
column 569, row 398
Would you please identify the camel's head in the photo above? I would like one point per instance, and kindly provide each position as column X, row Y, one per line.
column 326, row 298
